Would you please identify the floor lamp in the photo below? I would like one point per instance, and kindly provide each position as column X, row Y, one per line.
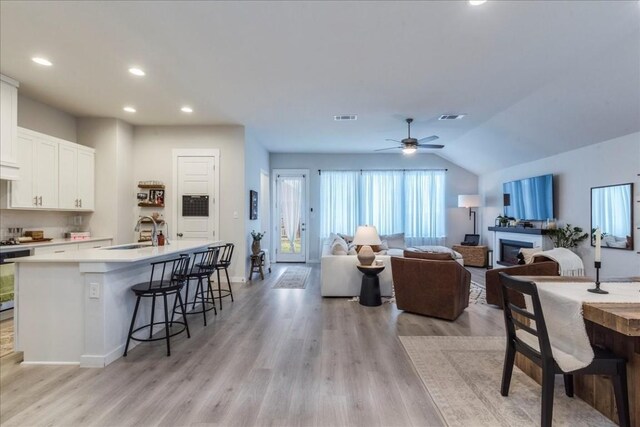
column 470, row 201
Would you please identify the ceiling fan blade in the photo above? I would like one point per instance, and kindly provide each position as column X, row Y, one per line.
column 429, row 138
column 430, row 146
column 385, row 149
column 393, row 140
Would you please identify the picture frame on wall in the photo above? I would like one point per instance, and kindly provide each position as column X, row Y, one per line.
column 157, row 197
column 253, row 205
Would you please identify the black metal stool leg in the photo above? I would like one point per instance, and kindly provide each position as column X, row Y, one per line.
column 219, row 289
column 153, row 312
column 210, row 292
column 175, row 305
column 184, row 315
column 133, row 321
column 195, row 296
column 166, row 323
column 229, row 282
column 204, row 300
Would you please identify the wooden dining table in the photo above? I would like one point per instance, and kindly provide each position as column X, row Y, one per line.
column 615, row 326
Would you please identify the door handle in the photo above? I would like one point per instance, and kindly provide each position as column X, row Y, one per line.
column 40, row 200
column 35, row 200
column 80, row 202
column 179, row 234
column 76, row 203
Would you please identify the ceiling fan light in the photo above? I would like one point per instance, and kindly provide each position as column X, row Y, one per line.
column 409, row 150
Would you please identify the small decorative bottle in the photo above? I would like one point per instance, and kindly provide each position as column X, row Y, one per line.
column 160, row 239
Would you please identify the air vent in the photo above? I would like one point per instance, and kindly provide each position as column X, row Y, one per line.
column 451, row 117
column 345, row 117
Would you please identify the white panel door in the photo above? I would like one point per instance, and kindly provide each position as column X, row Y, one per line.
column 196, row 179
column 68, row 177
column 86, row 179
column 46, row 173
column 23, row 191
column 291, row 208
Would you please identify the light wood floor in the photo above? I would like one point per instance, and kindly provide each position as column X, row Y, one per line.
column 273, row 357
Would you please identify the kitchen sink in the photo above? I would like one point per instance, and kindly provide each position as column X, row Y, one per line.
column 126, row 247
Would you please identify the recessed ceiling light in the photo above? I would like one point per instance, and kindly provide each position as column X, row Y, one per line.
column 129, row 109
column 477, row 2
column 136, row 71
column 186, row 109
column 42, row 61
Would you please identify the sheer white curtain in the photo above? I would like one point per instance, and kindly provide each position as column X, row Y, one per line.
column 611, row 210
column 381, row 200
column 291, row 191
column 412, row 202
column 424, row 208
column 338, row 202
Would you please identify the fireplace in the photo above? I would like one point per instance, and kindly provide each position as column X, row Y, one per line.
column 509, row 251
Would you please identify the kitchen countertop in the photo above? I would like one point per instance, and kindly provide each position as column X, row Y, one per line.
column 54, row 242
column 105, row 255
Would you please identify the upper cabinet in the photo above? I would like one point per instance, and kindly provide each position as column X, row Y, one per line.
column 9, row 165
column 54, row 174
column 76, row 177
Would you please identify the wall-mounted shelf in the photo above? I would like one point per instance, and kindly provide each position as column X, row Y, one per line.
column 151, row 186
column 158, row 222
column 150, row 205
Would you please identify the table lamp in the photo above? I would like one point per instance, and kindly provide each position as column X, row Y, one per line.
column 470, row 201
column 366, row 235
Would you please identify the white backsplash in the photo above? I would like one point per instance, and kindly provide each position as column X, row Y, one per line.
column 54, row 224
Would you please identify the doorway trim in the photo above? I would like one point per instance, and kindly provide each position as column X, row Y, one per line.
column 196, row 152
column 274, row 212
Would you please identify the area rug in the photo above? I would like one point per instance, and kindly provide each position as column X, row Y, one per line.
column 6, row 337
column 477, row 294
column 463, row 374
column 293, row 278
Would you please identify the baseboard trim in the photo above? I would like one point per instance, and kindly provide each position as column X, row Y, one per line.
column 53, row 362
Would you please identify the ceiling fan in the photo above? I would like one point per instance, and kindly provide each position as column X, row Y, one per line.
column 410, row 145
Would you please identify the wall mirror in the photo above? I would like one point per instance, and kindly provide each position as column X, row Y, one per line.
column 612, row 212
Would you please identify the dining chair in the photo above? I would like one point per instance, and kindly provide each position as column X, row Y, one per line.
column 527, row 334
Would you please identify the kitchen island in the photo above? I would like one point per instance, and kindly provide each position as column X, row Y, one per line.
column 75, row 307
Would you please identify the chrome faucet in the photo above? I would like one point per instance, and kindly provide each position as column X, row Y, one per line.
column 154, row 233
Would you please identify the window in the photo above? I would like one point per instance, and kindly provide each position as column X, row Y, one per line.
column 410, row 202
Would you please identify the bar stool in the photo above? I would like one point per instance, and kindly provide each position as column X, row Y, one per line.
column 202, row 267
column 161, row 284
column 223, row 263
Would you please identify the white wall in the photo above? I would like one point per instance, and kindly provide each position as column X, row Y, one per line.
column 256, row 160
column 458, row 181
column 616, row 161
column 152, row 160
column 40, row 117
column 114, row 185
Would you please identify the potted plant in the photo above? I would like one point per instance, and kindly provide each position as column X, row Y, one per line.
column 567, row 236
column 255, row 246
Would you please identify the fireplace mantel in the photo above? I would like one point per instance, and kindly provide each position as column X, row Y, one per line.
column 520, row 230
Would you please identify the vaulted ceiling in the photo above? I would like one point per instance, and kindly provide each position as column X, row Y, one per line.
column 534, row 78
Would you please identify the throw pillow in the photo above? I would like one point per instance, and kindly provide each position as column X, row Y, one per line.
column 441, row 256
column 528, row 254
column 346, row 237
column 339, row 247
column 395, row 241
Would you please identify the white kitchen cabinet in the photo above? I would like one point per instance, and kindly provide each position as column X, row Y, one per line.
column 38, row 184
column 9, row 164
column 55, row 174
column 76, row 177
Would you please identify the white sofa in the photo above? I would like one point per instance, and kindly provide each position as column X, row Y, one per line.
column 341, row 278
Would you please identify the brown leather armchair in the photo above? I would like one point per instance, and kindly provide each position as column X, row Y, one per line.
column 432, row 287
column 540, row 267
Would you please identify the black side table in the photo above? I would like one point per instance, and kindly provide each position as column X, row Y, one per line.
column 370, row 288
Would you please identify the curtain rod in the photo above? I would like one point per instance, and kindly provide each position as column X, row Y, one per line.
column 377, row 170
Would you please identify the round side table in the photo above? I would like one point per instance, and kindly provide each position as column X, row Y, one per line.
column 370, row 288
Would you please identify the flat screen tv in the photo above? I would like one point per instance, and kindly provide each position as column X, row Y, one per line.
column 529, row 199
